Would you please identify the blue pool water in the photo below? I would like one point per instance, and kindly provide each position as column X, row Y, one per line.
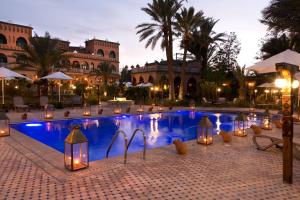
column 161, row 129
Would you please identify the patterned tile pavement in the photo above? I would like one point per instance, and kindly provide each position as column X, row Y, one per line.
column 219, row 171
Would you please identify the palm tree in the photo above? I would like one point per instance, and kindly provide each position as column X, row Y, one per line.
column 204, row 43
column 162, row 13
column 42, row 54
column 241, row 75
column 277, row 44
column 282, row 15
column 186, row 22
column 104, row 71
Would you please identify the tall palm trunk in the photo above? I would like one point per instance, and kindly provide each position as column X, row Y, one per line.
column 169, row 51
column 183, row 73
column 204, row 63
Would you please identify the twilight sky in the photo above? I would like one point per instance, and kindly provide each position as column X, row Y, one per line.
column 115, row 20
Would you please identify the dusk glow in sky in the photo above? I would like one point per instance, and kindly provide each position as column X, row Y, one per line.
column 115, row 20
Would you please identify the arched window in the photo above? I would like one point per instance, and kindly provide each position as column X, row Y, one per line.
column 85, row 66
column 92, row 66
column 21, row 42
column 3, row 39
column 177, row 81
column 191, row 86
column 100, row 52
column 114, row 68
column 76, row 64
column 112, row 54
column 133, row 81
column 141, row 80
column 3, row 58
column 151, row 79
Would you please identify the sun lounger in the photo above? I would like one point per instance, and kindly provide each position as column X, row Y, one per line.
column 19, row 104
column 276, row 140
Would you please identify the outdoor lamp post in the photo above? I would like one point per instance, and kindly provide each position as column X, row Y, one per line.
column 4, row 125
column 205, row 131
column 240, row 125
column 286, row 82
column 251, row 85
column 49, row 112
column 87, row 110
column 76, row 153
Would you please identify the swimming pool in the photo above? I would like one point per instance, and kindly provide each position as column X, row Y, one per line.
column 160, row 128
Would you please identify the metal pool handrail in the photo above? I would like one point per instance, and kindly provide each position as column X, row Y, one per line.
column 125, row 144
column 145, row 141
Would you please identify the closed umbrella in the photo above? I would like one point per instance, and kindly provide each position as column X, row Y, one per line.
column 9, row 74
column 57, row 76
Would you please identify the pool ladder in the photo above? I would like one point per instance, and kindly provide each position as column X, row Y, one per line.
column 126, row 143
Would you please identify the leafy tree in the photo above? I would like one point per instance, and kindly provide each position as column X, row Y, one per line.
column 242, row 75
column 162, row 13
column 186, row 22
column 104, row 71
column 225, row 59
column 125, row 75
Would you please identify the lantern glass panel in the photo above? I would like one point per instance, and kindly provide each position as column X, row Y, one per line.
column 205, row 136
column 87, row 110
column 76, row 156
column 49, row 113
column 240, row 127
column 4, row 127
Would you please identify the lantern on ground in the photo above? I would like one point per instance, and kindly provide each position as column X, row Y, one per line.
column 140, row 109
column 266, row 121
column 76, row 150
column 117, row 110
column 4, row 125
column 160, row 109
column 87, row 110
column 240, row 125
column 205, row 131
column 49, row 111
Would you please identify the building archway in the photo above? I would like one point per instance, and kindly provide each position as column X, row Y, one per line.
column 3, row 58
column 92, row 66
column 3, row 39
column 21, row 42
column 133, row 81
column 76, row 64
column 85, row 66
column 151, row 79
column 112, row 54
column 191, row 86
column 177, row 82
column 100, row 52
column 141, row 80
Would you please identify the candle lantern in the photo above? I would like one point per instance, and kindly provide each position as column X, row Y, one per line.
column 240, row 125
column 4, row 125
column 76, row 150
column 49, row 111
column 117, row 110
column 87, row 110
column 266, row 120
column 160, row 109
column 205, row 131
column 140, row 109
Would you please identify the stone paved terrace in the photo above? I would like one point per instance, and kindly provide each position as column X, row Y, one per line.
column 219, row 171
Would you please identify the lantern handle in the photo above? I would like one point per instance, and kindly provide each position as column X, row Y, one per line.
column 113, row 141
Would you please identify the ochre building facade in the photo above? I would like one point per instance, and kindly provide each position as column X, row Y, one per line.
column 81, row 60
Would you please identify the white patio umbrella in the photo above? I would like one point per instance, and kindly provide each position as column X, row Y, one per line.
column 145, row 85
column 128, row 84
column 9, row 74
column 57, row 76
column 269, row 65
